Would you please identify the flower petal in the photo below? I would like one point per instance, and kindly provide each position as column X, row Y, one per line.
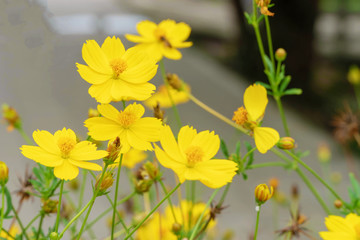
column 170, row 145
column 209, row 143
column 122, row 90
column 102, row 92
column 66, row 171
column 86, row 150
column 179, row 33
column 146, row 29
column 167, row 161
column 136, row 39
column 46, row 141
column 255, row 101
column 86, row 165
column 113, row 48
column 185, row 138
column 137, row 142
column 265, row 138
column 41, row 156
column 103, row 129
column 95, row 57
column 172, row 53
column 136, row 109
column 65, row 133
column 108, row 111
column 91, row 76
column 149, row 128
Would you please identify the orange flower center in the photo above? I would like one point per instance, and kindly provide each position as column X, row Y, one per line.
column 126, row 119
column 240, row 116
column 118, row 66
column 66, row 144
column 160, row 35
column 194, row 155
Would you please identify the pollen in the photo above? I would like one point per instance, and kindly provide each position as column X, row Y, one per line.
column 194, row 154
column 240, row 116
column 126, row 119
column 66, row 144
column 118, row 66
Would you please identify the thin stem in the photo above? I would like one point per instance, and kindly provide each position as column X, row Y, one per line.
column 115, row 197
column 216, row 114
column 257, row 221
column 268, row 164
column 173, row 105
column 270, row 45
column 32, row 221
column 59, row 206
column 249, row 152
column 313, row 190
column 197, row 225
column 169, row 199
column 2, row 204
column 317, row 176
column 124, row 104
column 82, row 189
column 40, row 225
column 20, row 223
column 222, row 198
column 117, row 234
column 258, row 36
column 25, row 136
column 357, row 94
column 152, row 211
column 282, row 115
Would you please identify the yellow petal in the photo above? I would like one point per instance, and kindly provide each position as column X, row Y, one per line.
column 170, row 145
column 41, row 156
column 172, row 53
column 146, row 29
column 86, row 150
column 91, row 76
column 135, row 38
column 66, row 171
column 153, row 49
column 113, row 48
column 137, row 109
column 167, row 161
column 182, row 44
column 338, row 224
column 149, row 128
column 95, row 57
column 86, row 165
column 209, row 143
column 336, row 235
column 179, row 33
column 255, row 101
column 108, row 111
column 65, row 133
column 132, row 157
column 136, row 141
column 103, row 129
column 185, row 137
column 265, row 138
column 46, row 141
column 168, row 25
column 102, row 92
column 122, row 90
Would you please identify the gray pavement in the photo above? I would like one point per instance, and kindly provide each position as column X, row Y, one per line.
column 39, row 78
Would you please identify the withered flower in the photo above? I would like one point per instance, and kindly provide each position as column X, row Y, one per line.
column 296, row 226
column 346, row 125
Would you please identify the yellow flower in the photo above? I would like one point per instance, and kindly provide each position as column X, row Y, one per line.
column 63, row 152
column 190, row 157
column 128, row 125
column 13, row 231
column 347, row 228
column 263, row 193
column 161, row 40
column 116, row 74
column 131, row 158
column 162, row 97
column 156, row 228
column 250, row 117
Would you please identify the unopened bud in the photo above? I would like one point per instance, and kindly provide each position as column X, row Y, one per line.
column 338, row 204
column 11, row 117
column 274, row 182
column 73, row 184
column 53, row 236
column 324, row 153
column 174, row 81
column 302, row 219
column 263, row 193
column 4, row 173
column 152, row 170
column 138, row 217
column 93, row 113
column 280, row 54
column 106, row 183
column 113, row 150
column 294, row 191
column 286, row 143
column 354, row 75
column 142, row 186
column 50, row 206
column 158, row 113
column 176, row 228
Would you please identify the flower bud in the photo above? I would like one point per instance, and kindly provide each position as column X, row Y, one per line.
column 286, row 143
column 142, row 186
column 274, row 182
column 280, row 54
column 338, row 204
column 113, row 150
column 158, row 113
column 262, row 193
column 354, row 75
column 4, row 173
column 73, row 184
column 152, row 170
column 176, row 228
column 323, row 152
column 93, row 113
column 53, row 236
column 105, row 184
column 11, row 117
column 49, row 205
column 174, row 81
column 295, row 192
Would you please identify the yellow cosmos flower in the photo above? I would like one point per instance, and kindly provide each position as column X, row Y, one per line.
column 190, row 157
column 162, row 40
column 62, row 152
column 133, row 130
column 13, row 231
column 162, row 97
column 116, row 74
column 250, row 117
column 156, row 228
column 347, row 228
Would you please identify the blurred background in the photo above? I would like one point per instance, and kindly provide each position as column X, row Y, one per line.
column 40, row 42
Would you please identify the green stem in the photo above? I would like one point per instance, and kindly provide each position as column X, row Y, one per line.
column 40, row 225
column 270, row 45
column 2, row 204
column 278, row 68
column 152, row 211
column 255, row 25
column 197, row 225
column 31, row 222
column 59, row 206
column 282, row 115
column 173, row 105
column 268, row 164
column 82, row 189
column 257, row 221
column 313, row 190
column 222, row 198
column 124, row 104
column 317, row 176
column 169, row 199
column 25, row 136
column 357, row 94
column 20, row 223
column 115, row 197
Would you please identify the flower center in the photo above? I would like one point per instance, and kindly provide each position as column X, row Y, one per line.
column 65, row 145
column 160, row 35
column 118, row 66
column 240, row 116
column 194, row 155
column 126, row 119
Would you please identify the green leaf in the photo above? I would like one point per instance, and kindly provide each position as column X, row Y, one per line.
column 293, row 91
column 245, row 177
column 250, row 156
column 269, row 65
column 284, row 83
column 224, row 148
column 281, row 75
column 8, row 203
column 265, row 85
column 260, row 18
column 248, row 18
column 237, row 149
column 355, row 184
